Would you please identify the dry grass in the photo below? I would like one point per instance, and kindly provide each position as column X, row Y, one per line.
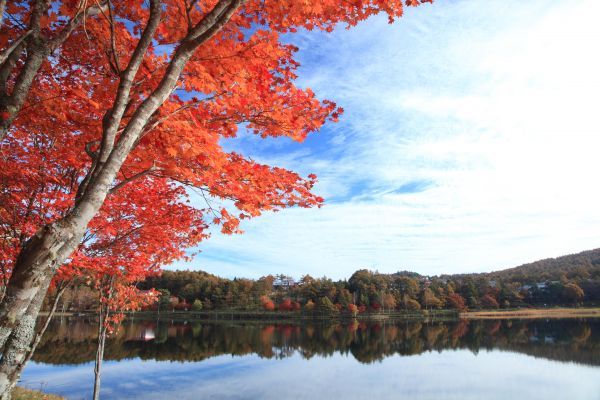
column 533, row 313
column 26, row 394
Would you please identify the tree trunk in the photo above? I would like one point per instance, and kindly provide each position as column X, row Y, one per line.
column 18, row 346
column 38, row 261
column 18, row 368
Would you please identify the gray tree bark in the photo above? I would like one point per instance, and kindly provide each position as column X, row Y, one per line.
column 15, row 368
column 18, row 348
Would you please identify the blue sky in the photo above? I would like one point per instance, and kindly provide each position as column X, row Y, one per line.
column 470, row 142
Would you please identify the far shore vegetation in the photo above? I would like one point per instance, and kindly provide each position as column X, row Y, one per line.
column 562, row 287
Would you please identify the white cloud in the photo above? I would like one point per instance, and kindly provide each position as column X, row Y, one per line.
column 494, row 104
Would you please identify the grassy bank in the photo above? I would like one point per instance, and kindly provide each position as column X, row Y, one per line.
column 533, row 313
column 26, row 394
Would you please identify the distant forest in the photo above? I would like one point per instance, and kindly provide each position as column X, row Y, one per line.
column 569, row 280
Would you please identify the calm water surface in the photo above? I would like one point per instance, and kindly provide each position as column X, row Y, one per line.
column 535, row 359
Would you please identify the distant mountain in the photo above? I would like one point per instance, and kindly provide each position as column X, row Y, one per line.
column 579, row 267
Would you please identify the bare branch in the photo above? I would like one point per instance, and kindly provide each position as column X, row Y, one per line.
column 74, row 22
column 113, row 40
column 188, row 13
column 7, row 52
column 187, row 106
column 115, row 62
column 211, row 19
column 132, row 178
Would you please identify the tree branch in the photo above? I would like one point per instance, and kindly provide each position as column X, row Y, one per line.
column 88, row 149
column 7, row 52
column 184, row 107
column 104, row 170
column 132, row 178
column 112, row 118
column 74, row 22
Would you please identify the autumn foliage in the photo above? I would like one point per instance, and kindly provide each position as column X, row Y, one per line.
column 267, row 304
column 456, row 301
column 488, row 301
column 286, row 305
column 352, row 309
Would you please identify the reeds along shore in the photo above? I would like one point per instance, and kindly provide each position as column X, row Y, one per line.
column 533, row 313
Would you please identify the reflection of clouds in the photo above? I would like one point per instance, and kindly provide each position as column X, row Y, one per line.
column 447, row 375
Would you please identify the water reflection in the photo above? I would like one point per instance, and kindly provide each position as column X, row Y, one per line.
column 72, row 341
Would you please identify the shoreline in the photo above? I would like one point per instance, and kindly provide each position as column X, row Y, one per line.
column 275, row 316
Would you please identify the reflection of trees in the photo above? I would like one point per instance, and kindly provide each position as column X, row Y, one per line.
column 73, row 340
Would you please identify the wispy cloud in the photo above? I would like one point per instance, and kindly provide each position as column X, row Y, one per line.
column 470, row 142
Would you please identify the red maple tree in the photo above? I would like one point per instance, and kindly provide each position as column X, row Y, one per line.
column 108, row 109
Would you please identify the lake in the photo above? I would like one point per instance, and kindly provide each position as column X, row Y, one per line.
column 488, row 359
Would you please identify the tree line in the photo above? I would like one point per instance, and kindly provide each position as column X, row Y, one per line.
column 567, row 281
